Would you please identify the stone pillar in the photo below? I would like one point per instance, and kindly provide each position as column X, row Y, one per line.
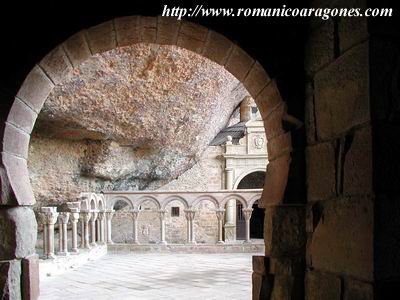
column 49, row 218
column 98, row 228
column 220, row 217
column 230, row 215
column 135, row 215
column 190, row 213
column 162, row 213
column 74, row 216
column 85, row 218
column 247, row 216
column 100, row 222
column 63, row 218
column 109, row 216
column 93, row 219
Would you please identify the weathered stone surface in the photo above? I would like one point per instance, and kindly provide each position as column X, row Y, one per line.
column 22, row 116
column 114, row 109
column 321, row 172
column 284, row 231
column 19, row 230
column 77, row 48
column 320, row 47
column 239, row 63
column 16, row 188
column 217, row 47
column 342, row 241
column 342, row 93
column 30, row 275
column 322, row 286
column 357, row 290
column 56, row 65
column 10, row 279
column 357, row 174
column 35, row 89
column 127, row 30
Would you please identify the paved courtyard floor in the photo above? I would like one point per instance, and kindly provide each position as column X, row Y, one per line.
column 155, row 276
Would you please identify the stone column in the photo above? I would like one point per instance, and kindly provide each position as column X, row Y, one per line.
column 49, row 218
column 161, row 214
column 93, row 219
column 98, row 228
column 190, row 213
column 230, row 225
column 85, row 218
column 63, row 218
column 135, row 215
column 74, row 216
column 247, row 216
column 109, row 216
column 220, row 217
column 100, row 222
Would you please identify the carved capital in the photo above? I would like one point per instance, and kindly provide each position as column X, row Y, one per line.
column 85, row 216
column 48, row 215
column 220, row 214
column 135, row 214
column 162, row 213
column 190, row 214
column 63, row 217
column 74, row 216
column 101, row 215
column 110, row 214
column 247, row 213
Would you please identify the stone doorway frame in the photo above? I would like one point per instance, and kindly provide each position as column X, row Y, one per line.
column 16, row 190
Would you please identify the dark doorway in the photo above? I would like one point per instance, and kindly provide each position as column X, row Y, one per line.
column 253, row 180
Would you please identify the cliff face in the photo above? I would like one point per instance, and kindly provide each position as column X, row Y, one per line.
column 132, row 118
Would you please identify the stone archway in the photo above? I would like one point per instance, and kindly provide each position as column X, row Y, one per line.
column 16, row 190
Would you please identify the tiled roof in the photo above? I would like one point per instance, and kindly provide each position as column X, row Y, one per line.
column 236, row 131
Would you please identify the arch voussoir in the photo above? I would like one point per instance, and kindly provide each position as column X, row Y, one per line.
column 167, row 30
column 56, row 65
column 279, row 145
column 22, row 116
column 148, row 29
column 217, row 48
column 35, row 89
column 239, row 63
column 192, row 37
column 256, row 79
column 77, row 48
column 101, row 38
column 127, row 30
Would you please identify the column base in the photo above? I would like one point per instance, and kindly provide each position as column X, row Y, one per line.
column 62, row 253
column 74, row 251
column 48, row 256
column 110, row 243
column 162, row 243
column 192, row 243
column 220, row 242
column 230, row 233
column 93, row 244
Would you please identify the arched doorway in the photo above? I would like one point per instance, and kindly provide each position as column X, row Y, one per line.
column 122, row 32
column 254, row 180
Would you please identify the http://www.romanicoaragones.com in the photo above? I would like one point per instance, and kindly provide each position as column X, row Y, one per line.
column 284, row 11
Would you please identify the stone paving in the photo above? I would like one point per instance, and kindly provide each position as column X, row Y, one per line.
column 155, row 276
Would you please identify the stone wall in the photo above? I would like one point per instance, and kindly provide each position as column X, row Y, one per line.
column 341, row 124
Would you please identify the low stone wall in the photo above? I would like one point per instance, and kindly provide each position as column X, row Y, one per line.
column 256, row 246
